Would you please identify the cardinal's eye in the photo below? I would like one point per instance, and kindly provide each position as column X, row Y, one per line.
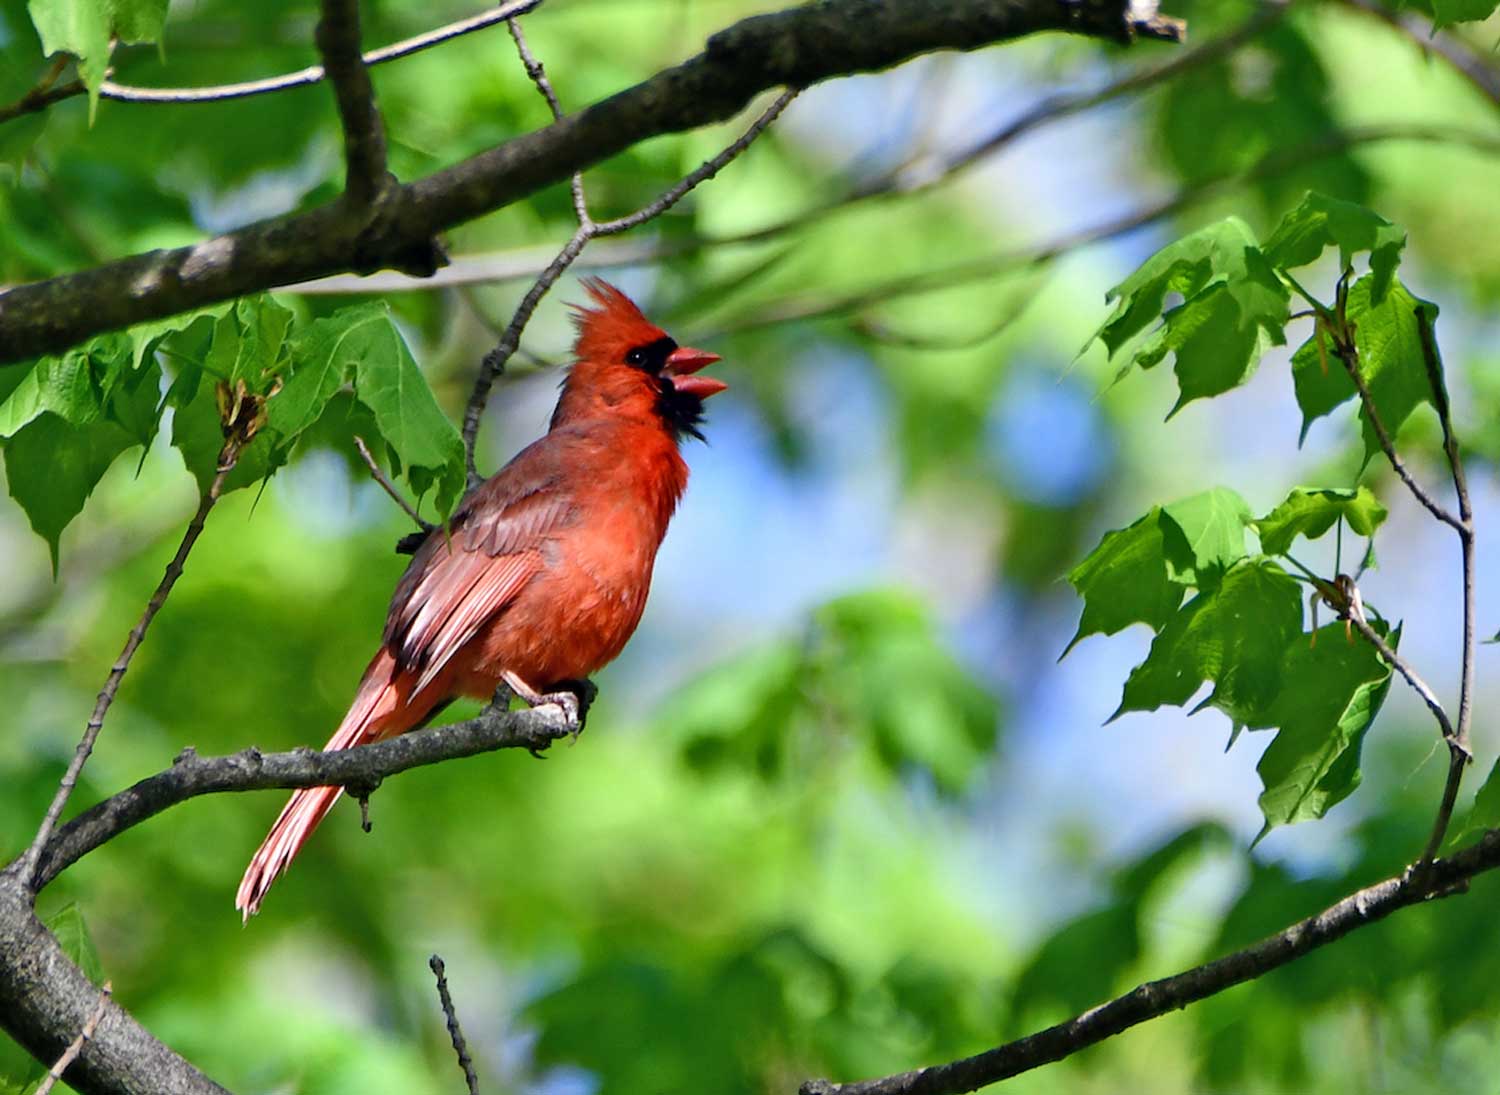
column 652, row 356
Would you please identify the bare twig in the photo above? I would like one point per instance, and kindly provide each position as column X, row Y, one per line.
column 365, row 177
column 538, row 76
column 495, row 361
column 1402, row 666
column 75, row 1047
column 390, row 488
column 455, row 1032
column 122, row 663
column 1459, row 753
column 524, row 263
column 42, row 97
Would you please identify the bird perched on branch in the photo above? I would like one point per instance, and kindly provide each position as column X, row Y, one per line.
column 542, row 573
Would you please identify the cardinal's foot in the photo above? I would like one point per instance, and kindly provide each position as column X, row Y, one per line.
column 566, row 703
column 585, row 690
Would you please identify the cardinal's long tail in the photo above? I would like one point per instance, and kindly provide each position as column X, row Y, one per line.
column 378, row 712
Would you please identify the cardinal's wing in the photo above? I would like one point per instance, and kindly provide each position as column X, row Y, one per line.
column 460, row 579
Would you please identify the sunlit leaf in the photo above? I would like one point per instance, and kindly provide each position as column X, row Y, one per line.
column 1311, row 512
column 1124, row 581
column 1391, row 360
column 1232, row 635
column 1320, row 222
column 84, row 28
column 1331, row 690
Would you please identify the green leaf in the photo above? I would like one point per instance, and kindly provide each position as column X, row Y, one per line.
column 1204, row 535
column 1485, row 813
column 52, row 466
column 249, row 343
column 1124, row 581
column 75, row 387
column 1331, row 690
column 72, row 933
column 1320, row 222
column 1311, row 511
column 84, row 29
column 1448, row 12
column 1233, row 635
column 20, row 66
column 363, row 342
column 1391, row 361
column 1234, row 306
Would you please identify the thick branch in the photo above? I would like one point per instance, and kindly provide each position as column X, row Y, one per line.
column 796, row 48
column 252, row 770
column 365, row 177
column 45, row 1000
column 1156, row 998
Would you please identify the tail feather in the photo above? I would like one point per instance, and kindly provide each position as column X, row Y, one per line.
column 378, row 712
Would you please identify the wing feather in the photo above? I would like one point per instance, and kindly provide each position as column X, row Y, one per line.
column 460, row 579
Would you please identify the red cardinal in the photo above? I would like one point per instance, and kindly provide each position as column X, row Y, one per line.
column 543, row 572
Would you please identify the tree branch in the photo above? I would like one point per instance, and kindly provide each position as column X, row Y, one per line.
column 455, row 1032
column 366, row 178
column 793, row 48
column 1155, row 998
column 252, row 770
column 45, row 999
column 45, row 94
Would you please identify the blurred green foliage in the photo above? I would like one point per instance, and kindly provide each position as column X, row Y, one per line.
column 778, row 870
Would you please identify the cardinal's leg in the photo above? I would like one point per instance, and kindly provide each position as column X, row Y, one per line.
column 566, row 702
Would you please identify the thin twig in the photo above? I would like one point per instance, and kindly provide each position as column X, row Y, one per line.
column 1402, row 666
column 390, row 488
column 365, row 175
column 495, row 361
column 40, row 99
column 455, row 1033
column 702, row 173
column 538, row 76
column 112, row 683
column 513, row 265
column 1459, row 753
column 75, row 1047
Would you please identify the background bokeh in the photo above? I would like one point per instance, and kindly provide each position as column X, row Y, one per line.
column 839, row 809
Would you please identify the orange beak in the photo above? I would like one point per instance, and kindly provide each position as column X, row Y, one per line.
column 682, row 363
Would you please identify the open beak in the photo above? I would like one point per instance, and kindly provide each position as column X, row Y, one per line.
column 682, row 363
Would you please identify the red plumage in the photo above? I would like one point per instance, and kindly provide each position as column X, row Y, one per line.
column 542, row 574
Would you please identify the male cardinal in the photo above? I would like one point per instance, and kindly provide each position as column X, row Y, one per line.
column 542, row 573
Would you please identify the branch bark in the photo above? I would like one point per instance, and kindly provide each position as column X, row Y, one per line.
column 365, row 176
column 793, row 48
column 252, row 770
column 1155, row 998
